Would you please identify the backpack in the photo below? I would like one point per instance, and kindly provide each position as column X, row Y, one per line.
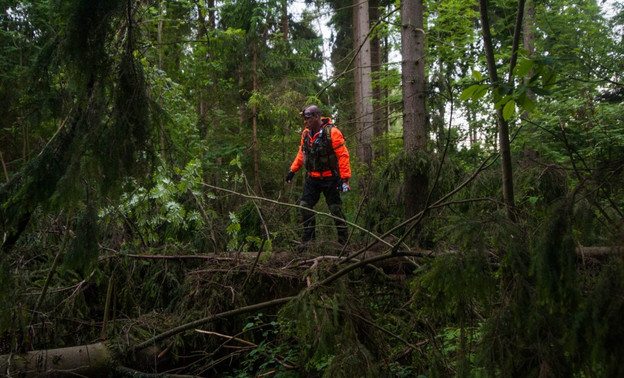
column 320, row 156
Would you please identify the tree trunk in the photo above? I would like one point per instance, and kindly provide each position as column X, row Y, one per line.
column 256, row 149
column 528, row 37
column 376, row 64
column 161, row 126
column 212, row 19
column 502, row 125
column 414, row 111
column 363, row 83
column 94, row 360
column 203, row 91
column 284, row 20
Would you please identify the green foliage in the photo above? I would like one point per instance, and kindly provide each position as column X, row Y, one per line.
column 598, row 330
column 162, row 213
column 84, row 248
column 468, row 285
column 233, row 229
column 332, row 342
column 541, row 81
column 118, row 112
column 272, row 354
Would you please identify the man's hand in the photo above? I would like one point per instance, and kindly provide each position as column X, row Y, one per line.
column 345, row 185
column 290, row 176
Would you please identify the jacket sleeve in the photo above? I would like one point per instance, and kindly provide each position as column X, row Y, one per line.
column 298, row 162
column 338, row 144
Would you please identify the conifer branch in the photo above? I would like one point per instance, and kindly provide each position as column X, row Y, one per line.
column 199, row 322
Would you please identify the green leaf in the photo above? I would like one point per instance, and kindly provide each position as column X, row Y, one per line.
column 504, row 89
column 509, row 109
column 468, row 92
column 540, row 91
column 477, row 75
column 524, row 67
column 480, row 92
column 502, row 101
column 525, row 103
column 549, row 78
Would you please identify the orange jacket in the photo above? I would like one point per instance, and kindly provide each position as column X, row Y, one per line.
column 338, row 144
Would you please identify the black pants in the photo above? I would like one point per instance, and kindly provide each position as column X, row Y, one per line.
column 312, row 189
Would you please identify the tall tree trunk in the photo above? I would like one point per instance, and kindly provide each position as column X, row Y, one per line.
column 161, row 126
column 386, row 59
column 363, row 83
column 202, row 111
column 502, row 125
column 256, row 149
column 376, row 64
column 212, row 19
column 528, row 37
column 284, row 20
column 414, row 111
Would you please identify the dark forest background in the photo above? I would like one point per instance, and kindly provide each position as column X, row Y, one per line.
column 144, row 147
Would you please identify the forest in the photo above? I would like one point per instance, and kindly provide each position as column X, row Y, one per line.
column 148, row 230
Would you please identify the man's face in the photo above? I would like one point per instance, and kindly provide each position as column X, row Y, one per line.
column 311, row 122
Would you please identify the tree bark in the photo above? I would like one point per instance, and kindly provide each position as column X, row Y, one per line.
column 528, row 37
column 94, row 360
column 414, row 109
column 284, row 20
column 256, row 148
column 502, row 125
column 363, row 83
column 161, row 126
column 203, row 91
column 376, row 64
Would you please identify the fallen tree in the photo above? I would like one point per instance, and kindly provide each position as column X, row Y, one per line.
column 94, row 360
column 100, row 359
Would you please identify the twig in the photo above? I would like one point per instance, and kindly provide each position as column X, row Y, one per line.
column 53, row 267
column 382, row 329
column 227, row 337
column 109, row 295
column 208, row 319
column 205, row 216
column 258, row 306
column 435, row 183
column 253, row 267
column 299, row 207
column 4, row 168
column 357, row 51
column 578, row 174
column 484, row 165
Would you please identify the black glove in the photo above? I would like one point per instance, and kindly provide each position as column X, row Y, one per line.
column 290, row 176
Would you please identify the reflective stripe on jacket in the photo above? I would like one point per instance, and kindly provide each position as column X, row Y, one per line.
column 338, row 145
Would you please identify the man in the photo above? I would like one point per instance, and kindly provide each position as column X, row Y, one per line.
column 326, row 159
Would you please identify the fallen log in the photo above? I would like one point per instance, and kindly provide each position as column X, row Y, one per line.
column 93, row 360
